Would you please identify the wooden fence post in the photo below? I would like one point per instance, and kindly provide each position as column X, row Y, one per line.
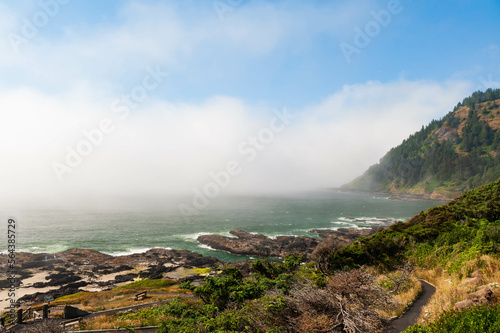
column 45, row 311
column 20, row 316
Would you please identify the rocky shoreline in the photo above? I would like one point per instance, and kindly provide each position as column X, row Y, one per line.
column 249, row 244
column 245, row 243
column 42, row 275
column 403, row 196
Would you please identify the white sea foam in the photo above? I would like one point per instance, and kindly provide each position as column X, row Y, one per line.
column 194, row 237
column 206, row 247
column 54, row 248
column 135, row 251
column 369, row 220
column 274, row 236
column 344, row 224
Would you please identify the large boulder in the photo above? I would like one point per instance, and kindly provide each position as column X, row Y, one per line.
column 477, row 273
column 463, row 304
column 473, row 281
column 482, row 296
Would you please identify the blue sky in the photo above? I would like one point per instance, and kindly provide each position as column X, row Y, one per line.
column 229, row 64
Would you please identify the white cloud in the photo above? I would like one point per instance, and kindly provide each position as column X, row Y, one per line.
column 173, row 147
column 59, row 86
column 161, row 33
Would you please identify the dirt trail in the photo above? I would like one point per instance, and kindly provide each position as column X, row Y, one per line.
column 411, row 315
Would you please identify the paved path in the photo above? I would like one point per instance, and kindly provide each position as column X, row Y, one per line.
column 411, row 315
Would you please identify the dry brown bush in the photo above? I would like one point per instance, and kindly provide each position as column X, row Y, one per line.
column 45, row 326
column 322, row 252
column 350, row 302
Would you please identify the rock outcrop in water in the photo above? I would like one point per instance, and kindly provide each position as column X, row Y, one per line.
column 345, row 236
column 249, row 244
column 77, row 270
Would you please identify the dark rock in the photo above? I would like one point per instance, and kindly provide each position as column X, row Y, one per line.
column 121, row 268
column 62, row 278
column 346, row 236
column 348, row 233
column 157, row 271
column 125, row 278
column 71, row 312
column 67, row 268
column 259, row 245
column 243, row 266
column 66, row 290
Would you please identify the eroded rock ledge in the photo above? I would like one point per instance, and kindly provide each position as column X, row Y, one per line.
column 249, row 244
column 42, row 274
column 345, row 236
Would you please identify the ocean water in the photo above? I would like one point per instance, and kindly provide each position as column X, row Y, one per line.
column 134, row 226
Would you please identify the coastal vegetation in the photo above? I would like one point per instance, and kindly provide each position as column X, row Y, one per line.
column 479, row 319
column 353, row 288
column 120, row 296
column 357, row 287
column 448, row 156
column 446, row 236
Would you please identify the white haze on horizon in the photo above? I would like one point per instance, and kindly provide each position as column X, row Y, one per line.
column 165, row 149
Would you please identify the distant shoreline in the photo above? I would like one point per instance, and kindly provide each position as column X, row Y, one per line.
column 392, row 196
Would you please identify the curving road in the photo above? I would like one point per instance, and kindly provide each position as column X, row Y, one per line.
column 410, row 316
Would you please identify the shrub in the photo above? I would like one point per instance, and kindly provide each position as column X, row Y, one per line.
column 45, row 326
column 477, row 319
column 350, row 302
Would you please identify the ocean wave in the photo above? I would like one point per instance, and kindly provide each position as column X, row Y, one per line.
column 344, row 224
column 381, row 198
column 133, row 251
column 54, row 248
column 206, row 247
column 194, row 236
column 369, row 220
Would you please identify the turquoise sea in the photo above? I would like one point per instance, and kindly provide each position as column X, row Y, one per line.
column 131, row 225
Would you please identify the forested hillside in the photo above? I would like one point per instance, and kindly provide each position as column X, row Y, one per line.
column 456, row 153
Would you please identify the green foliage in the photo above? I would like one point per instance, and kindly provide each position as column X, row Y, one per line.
column 477, row 319
column 279, row 296
column 232, row 287
column 447, row 235
column 234, row 303
column 251, row 316
column 310, row 273
column 271, row 269
column 431, row 161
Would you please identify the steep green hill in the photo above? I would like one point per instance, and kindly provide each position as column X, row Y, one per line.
column 444, row 236
column 456, row 153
